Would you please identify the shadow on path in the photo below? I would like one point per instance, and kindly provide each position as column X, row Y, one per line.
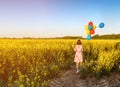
column 71, row 79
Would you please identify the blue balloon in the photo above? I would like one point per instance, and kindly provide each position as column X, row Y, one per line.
column 89, row 37
column 90, row 27
column 101, row 25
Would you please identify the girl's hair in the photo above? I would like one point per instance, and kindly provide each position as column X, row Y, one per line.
column 79, row 42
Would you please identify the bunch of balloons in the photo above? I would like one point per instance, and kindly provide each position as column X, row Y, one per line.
column 90, row 29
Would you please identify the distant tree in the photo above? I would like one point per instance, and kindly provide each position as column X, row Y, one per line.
column 108, row 36
column 72, row 37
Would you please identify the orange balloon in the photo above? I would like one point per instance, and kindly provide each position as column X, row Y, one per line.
column 90, row 23
column 92, row 31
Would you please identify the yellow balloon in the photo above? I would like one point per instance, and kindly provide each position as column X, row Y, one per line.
column 86, row 27
column 88, row 32
column 94, row 27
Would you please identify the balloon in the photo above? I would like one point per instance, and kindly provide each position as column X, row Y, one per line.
column 89, row 37
column 101, row 25
column 90, row 23
column 86, row 27
column 88, row 32
column 92, row 31
column 94, row 27
column 90, row 27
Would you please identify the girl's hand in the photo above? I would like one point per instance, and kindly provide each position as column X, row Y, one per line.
column 73, row 46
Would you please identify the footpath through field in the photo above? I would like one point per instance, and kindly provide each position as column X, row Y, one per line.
column 71, row 79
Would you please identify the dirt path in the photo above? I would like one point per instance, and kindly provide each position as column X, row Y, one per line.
column 71, row 79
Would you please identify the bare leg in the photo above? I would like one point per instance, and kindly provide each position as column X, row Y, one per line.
column 77, row 66
column 80, row 64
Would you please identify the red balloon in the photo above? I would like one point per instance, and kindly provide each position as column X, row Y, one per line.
column 92, row 31
column 90, row 23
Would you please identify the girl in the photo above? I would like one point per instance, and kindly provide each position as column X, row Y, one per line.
column 78, row 55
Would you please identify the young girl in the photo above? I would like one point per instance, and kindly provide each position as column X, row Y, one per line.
column 78, row 55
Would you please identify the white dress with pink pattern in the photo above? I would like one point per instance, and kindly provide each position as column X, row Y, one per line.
column 78, row 54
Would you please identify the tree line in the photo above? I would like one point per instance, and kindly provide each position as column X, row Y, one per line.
column 108, row 36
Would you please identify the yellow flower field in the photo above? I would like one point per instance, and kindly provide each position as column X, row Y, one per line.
column 33, row 62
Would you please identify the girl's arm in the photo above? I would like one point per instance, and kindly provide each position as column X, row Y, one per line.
column 82, row 49
column 74, row 47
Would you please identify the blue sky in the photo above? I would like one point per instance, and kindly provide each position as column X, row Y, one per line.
column 56, row 18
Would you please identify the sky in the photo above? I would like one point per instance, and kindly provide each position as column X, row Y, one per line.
column 57, row 18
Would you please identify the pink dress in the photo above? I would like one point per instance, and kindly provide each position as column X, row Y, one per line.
column 78, row 54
